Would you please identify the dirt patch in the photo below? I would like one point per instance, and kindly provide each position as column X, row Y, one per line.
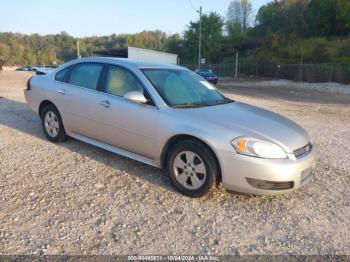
column 331, row 93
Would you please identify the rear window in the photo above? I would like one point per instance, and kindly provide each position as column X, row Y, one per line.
column 86, row 75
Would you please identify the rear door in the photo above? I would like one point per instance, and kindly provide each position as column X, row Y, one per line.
column 78, row 97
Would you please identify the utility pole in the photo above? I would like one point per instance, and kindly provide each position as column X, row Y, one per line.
column 200, row 38
column 236, row 67
column 301, row 65
column 78, row 50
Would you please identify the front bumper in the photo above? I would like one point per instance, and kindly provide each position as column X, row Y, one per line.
column 265, row 176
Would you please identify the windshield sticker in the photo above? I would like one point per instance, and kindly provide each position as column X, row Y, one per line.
column 208, row 85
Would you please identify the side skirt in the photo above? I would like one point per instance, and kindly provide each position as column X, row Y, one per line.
column 115, row 150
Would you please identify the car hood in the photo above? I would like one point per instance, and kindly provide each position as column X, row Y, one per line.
column 247, row 120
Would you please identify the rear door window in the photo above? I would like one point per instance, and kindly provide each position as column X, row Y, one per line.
column 86, row 75
column 61, row 76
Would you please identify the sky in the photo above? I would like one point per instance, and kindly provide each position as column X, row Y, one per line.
column 104, row 17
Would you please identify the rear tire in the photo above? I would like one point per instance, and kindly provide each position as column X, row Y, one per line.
column 52, row 124
column 192, row 168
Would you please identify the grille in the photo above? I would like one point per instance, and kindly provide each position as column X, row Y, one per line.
column 301, row 152
column 282, row 186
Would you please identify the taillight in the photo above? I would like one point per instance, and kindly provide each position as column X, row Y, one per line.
column 28, row 83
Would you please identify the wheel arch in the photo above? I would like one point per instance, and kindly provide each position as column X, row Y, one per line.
column 181, row 137
column 45, row 103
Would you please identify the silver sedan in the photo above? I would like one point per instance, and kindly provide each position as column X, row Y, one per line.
column 169, row 117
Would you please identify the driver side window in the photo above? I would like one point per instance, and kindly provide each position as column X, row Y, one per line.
column 119, row 82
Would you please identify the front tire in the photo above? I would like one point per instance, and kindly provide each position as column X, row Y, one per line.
column 52, row 124
column 192, row 168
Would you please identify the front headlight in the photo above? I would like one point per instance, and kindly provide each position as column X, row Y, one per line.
column 258, row 148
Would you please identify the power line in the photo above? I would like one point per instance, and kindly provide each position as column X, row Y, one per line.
column 194, row 9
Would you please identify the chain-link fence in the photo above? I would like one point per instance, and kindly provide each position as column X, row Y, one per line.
column 313, row 73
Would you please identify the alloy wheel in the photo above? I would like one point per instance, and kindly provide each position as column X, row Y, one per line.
column 189, row 170
column 51, row 124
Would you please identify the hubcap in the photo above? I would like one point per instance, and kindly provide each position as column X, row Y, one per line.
column 51, row 124
column 189, row 170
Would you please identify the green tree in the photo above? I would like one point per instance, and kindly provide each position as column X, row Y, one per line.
column 321, row 18
column 238, row 20
column 29, row 57
column 239, row 15
column 212, row 39
column 174, row 45
column 5, row 52
column 344, row 15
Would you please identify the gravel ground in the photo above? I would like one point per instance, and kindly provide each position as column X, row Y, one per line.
column 74, row 198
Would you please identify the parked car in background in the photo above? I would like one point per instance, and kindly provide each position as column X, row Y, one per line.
column 40, row 69
column 169, row 117
column 43, row 69
column 208, row 75
column 25, row 68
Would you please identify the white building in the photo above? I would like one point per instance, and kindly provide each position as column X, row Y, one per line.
column 139, row 54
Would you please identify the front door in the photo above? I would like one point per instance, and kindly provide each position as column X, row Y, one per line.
column 127, row 125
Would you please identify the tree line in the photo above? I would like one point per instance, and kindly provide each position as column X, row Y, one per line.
column 281, row 32
column 19, row 49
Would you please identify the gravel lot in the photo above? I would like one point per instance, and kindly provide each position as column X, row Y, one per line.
column 73, row 198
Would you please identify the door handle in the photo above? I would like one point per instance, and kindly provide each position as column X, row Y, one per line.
column 105, row 104
column 61, row 91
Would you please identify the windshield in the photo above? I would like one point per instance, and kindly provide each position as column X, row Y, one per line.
column 184, row 88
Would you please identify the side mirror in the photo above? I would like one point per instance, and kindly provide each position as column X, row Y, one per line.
column 136, row 96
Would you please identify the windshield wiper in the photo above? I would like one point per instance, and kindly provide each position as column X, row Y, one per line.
column 202, row 104
column 219, row 102
column 224, row 101
column 189, row 105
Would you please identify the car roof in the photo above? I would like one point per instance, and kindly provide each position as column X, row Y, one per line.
column 130, row 62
